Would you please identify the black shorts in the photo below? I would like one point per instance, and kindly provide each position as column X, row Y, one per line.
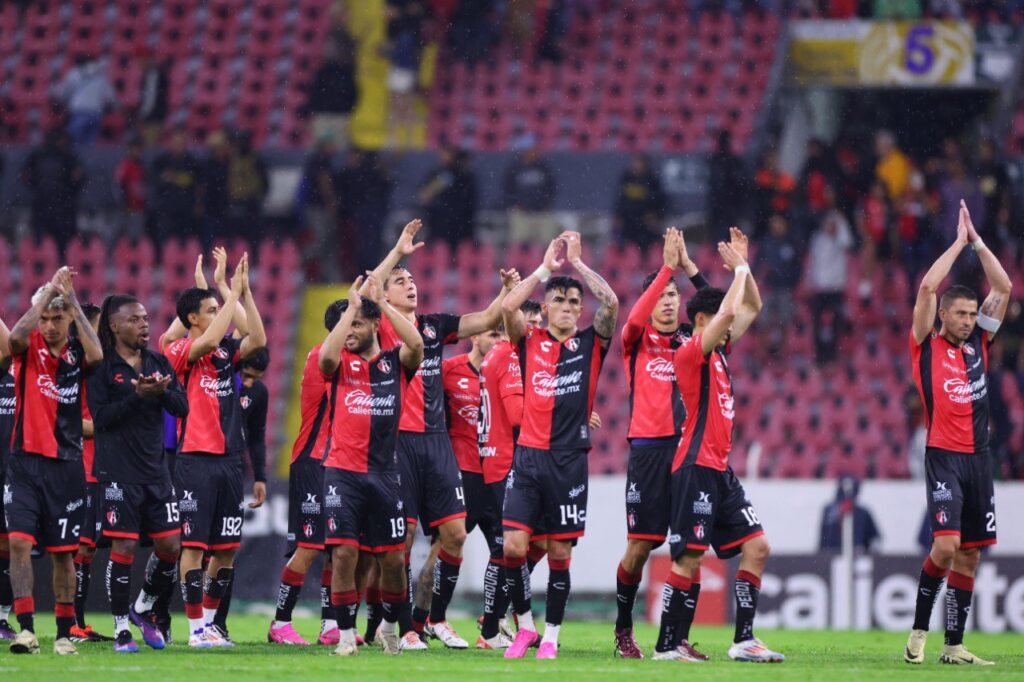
column 649, row 491
column 90, row 535
column 710, row 509
column 209, row 500
column 546, row 493
column 495, row 501
column 3, row 500
column 961, row 496
column 44, row 501
column 305, row 505
column 476, row 497
column 431, row 480
column 132, row 510
column 364, row 510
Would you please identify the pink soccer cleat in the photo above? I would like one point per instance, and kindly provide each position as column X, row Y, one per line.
column 523, row 641
column 330, row 637
column 547, row 650
column 285, row 634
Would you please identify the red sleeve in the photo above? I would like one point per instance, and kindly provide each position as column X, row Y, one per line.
column 644, row 307
column 513, row 406
column 35, row 342
column 177, row 353
column 388, row 336
column 690, row 352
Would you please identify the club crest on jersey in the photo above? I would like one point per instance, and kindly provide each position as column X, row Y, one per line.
column 941, row 492
column 942, row 517
column 307, row 529
column 221, row 353
column 69, row 357
column 384, row 365
column 8, row 495
column 572, row 344
column 246, row 402
column 186, row 528
column 631, row 519
column 429, row 332
column 112, row 518
column 699, row 532
column 332, row 524
column 969, row 349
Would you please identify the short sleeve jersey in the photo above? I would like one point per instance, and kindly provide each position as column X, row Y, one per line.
column 369, row 404
column 559, row 383
column 316, row 400
column 214, row 422
column 655, row 405
column 462, row 407
column 424, row 403
column 706, row 387
column 88, row 444
column 953, row 384
column 501, row 377
column 48, row 400
column 7, row 402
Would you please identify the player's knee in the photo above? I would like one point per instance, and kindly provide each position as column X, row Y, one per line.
column 169, row 545
column 515, row 548
column 967, row 559
column 559, row 551
column 453, row 537
column 124, row 546
column 757, row 550
column 637, row 551
column 20, row 546
column 391, row 562
column 944, row 549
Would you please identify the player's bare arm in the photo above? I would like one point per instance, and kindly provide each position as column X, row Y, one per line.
column 608, row 312
column 220, row 279
column 404, row 247
column 718, row 328
column 688, row 266
column 257, row 336
column 5, row 346
column 411, row 351
column 330, row 351
column 65, row 288
column 487, row 319
column 751, row 304
column 515, row 321
column 993, row 308
column 211, row 338
column 672, row 254
column 926, row 304
column 18, row 340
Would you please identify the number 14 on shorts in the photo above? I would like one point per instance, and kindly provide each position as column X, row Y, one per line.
column 572, row 514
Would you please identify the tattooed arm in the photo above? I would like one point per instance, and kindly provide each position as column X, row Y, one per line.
column 995, row 304
column 23, row 328
column 606, row 315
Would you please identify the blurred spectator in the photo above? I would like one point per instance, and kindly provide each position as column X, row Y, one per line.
column 994, row 183
column 449, row 198
column 176, row 174
column 553, row 29
column 779, row 255
column 54, row 177
column 873, row 218
column 893, row 166
column 897, row 9
column 917, row 435
column 826, row 278
column 130, row 178
column 912, row 228
column 153, row 96
column 364, row 185
column 726, row 188
column 87, row 94
column 530, row 188
column 213, row 199
column 519, row 24
column 818, row 176
column 334, row 92
column 474, row 30
column 955, row 186
column 865, row 530
column 405, row 43
column 247, row 187
column 640, row 205
column 321, row 207
column 773, row 192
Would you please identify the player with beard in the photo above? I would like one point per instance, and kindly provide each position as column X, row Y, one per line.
column 362, row 493
column 6, row 428
column 44, row 494
column 649, row 338
column 548, row 480
column 950, row 368
column 128, row 394
column 432, row 486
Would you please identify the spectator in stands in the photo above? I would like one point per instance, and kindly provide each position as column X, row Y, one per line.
column 474, row 30
column 555, row 26
column 773, row 192
column 449, row 198
column 912, row 227
column 994, row 182
column 818, row 177
column 87, row 94
column 54, row 177
column 364, row 185
column 176, row 174
column 405, row 44
column 248, row 184
column 865, row 530
column 130, row 179
column 320, row 202
column 873, row 224
column 334, row 92
column 780, row 258
column 727, row 184
column 826, row 277
column 917, row 434
column 530, row 188
column 213, row 189
column 153, row 97
column 640, row 206
column 897, row 9
column 893, row 167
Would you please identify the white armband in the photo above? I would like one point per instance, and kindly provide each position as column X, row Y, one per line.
column 989, row 324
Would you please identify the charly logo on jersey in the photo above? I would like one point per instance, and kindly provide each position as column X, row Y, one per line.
column 332, row 498
column 246, row 402
column 545, row 346
column 577, row 491
column 661, row 369
column 429, row 332
column 572, row 344
column 702, row 505
column 355, row 365
column 942, row 493
column 188, row 503
column 964, row 392
column 113, row 493
column 310, row 505
column 384, row 365
column 632, row 494
column 112, row 518
column 73, row 505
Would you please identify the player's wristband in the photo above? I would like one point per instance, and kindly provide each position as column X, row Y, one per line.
column 741, row 268
column 542, row 273
column 989, row 324
column 698, row 281
column 978, row 244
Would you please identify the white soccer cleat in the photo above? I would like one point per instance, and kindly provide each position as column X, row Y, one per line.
column 505, row 628
column 677, row 654
column 411, row 641
column 754, row 651
column 25, row 643
column 346, row 644
column 217, row 637
column 446, row 633
column 64, row 647
column 958, row 655
column 199, row 640
column 497, row 643
column 914, row 652
column 388, row 640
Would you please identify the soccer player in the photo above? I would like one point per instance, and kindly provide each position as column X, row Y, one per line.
column 431, row 484
column 649, row 338
column 950, row 368
column 45, row 488
column 209, row 468
column 128, row 394
column 6, row 427
column 548, row 481
column 305, row 498
column 89, row 537
column 709, row 505
column 362, row 493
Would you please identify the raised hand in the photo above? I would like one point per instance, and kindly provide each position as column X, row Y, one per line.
column 551, row 257
column 684, row 255
column 595, row 421
column 406, row 241
column 354, row 299
column 963, row 236
column 62, row 283
column 237, row 283
column 509, row 278
column 972, row 232
column 671, row 250
column 739, row 242
column 730, row 256
column 244, row 265
column 374, row 289
column 573, row 247
column 220, row 270
column 199, row 274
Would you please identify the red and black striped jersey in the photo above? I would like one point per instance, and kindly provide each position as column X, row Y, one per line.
column 214, row 421
column 367, row 412
column 316, row 400
column 953, row 384
column 7, row 402
column 501, row 410
column 559, row 382
column 424, row 403
column 88, row 444
column 48, row 400
column 462, row 407
column 706, row 387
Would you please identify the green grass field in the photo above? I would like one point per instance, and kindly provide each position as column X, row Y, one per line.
column 586, row 652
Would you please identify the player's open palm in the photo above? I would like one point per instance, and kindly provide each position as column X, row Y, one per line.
column 739, row 242
column 972, row 232
column 671, row 253
column 509, row 278
column 730, row 257
column 407, row 240
column 220, row 268
column 553, row 259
